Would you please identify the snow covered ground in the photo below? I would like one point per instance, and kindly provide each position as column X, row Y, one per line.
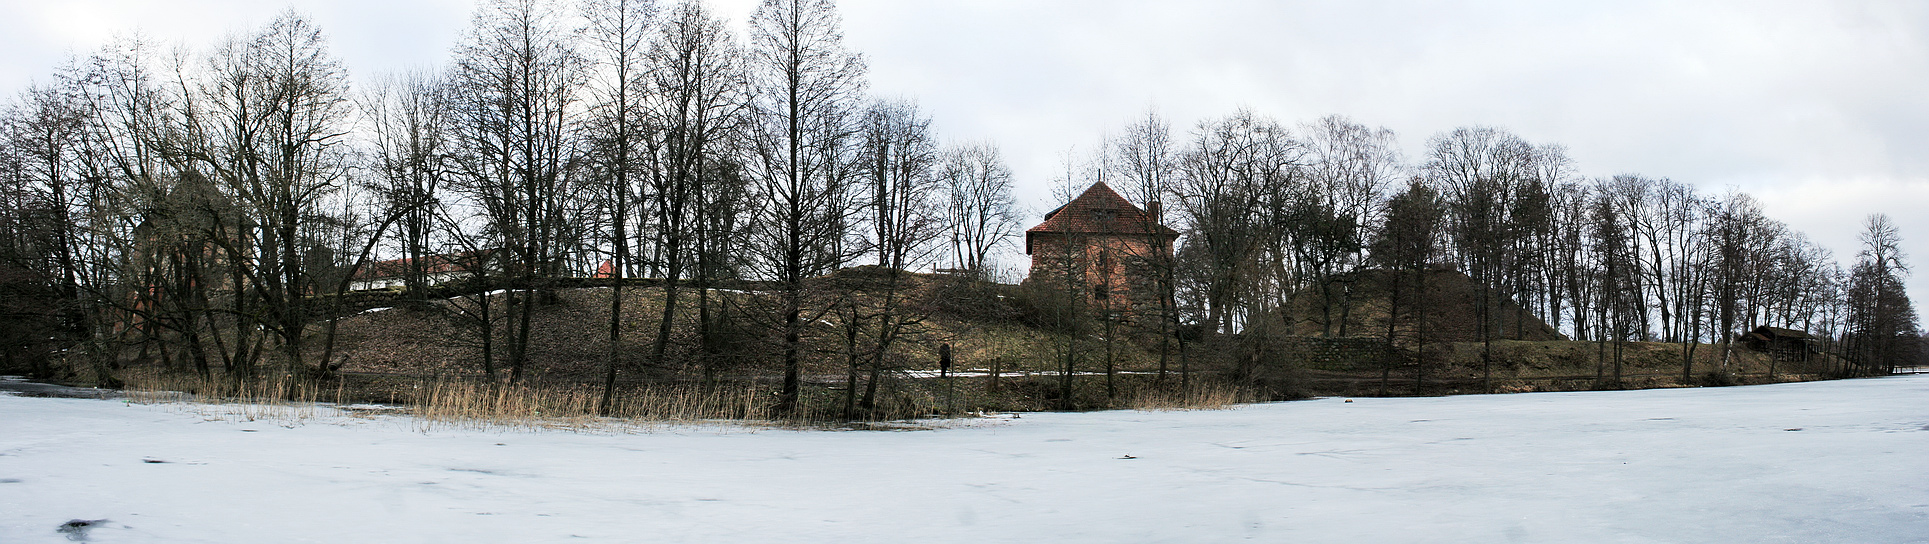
column 1811, row 462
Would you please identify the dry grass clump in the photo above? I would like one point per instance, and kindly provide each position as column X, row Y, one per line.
column 1206, row 397
column 492, row 404
column 288, row 400
column 482, row 404
column 280, row 399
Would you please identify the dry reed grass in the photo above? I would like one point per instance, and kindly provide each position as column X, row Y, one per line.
column 1213, row 396
column 281, row 399
column 468, row 404
column 289, row 400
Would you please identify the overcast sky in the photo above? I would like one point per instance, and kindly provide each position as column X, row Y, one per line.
column 1818, row 109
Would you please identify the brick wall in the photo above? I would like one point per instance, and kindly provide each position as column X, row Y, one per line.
column 1110, row 270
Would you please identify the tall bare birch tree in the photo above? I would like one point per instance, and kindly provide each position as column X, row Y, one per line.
column 407, row 115
column 617, row 40
column 516, row 78
column 1149, row 163
column 897, row 157
column 698, row 104
column 805, row 85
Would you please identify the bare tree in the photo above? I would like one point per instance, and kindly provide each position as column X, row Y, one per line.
column 1149, row 163
column 1481, row 170
column 42, row 137
column 898, row 158
column 1571, row 284
column 1226, row 175
column 1408, row 242
column 1738, row 236
column 136, row 221
column 1882, row 321
column 1619, row 277
column 515, row 81
column 277, row 109
column 980, row 212
column 1677, row 253
column 1526, row 276
column 699, row 103
column 804, row 84
column 617, row 35
column 407, row 116
column 41, row 209
column 1348, row 168
column 1064, row 291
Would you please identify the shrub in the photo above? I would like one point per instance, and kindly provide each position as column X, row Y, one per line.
column 1716, row 378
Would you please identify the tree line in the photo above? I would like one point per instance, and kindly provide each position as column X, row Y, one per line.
column 1282, row 225
column 196, row 207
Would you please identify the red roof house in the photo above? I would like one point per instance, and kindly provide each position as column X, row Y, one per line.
column 1104, row 243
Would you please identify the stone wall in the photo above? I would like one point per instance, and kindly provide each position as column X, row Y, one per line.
column 1348, row 354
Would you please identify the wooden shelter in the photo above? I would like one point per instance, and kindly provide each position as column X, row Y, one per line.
column 1782, row 344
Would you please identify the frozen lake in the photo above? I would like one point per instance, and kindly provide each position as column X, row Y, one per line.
column 1834, row 461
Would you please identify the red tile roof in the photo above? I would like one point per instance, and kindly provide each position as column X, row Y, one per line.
column 1099, row 210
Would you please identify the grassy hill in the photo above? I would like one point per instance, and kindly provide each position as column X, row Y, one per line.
column 1357, row 304
column 1008, row 352
column 990, row 328
column 1011, row 346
